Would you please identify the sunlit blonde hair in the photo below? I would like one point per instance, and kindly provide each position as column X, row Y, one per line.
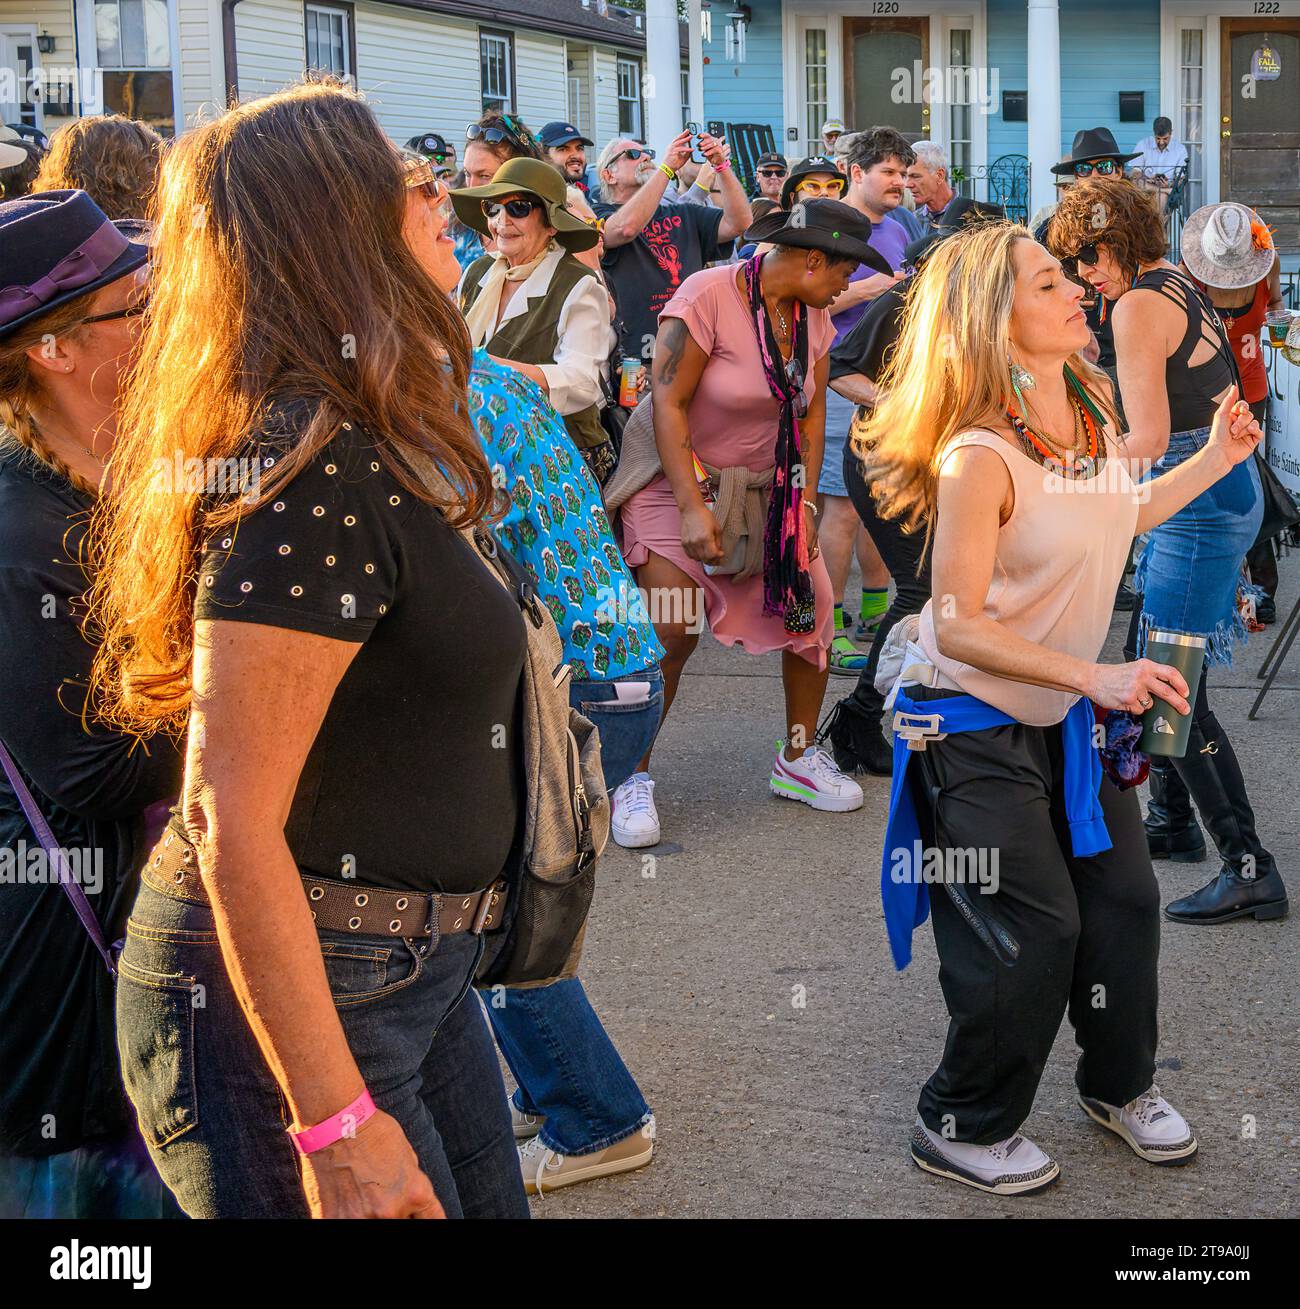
column 949, row 370
column 280, row 271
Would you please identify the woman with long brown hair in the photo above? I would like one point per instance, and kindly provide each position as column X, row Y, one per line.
column 994, row 431
column 284, row 575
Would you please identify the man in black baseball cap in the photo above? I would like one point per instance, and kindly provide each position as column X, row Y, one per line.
column 436, row 150
column 771, row 171
column 565, row 148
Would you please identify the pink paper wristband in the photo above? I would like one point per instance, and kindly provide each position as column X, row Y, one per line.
column 344, row 1123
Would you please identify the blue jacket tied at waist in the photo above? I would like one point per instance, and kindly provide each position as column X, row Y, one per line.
column 905, row 898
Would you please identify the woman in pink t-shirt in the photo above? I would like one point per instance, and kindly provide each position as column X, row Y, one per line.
column 739, row 385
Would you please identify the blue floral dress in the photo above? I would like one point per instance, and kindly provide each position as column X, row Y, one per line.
column 556, row 526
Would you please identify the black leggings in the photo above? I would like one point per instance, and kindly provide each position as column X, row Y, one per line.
column 1088, row 931
column 902, row 553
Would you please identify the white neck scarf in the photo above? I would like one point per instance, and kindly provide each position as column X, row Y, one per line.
column 481, row 318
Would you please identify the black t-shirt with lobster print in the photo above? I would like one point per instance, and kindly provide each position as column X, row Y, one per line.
column 678, row 240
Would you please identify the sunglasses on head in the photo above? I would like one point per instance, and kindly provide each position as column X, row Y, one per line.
column 1103, row 167
column 517, row 206
column 494, row 135
column 636, row 152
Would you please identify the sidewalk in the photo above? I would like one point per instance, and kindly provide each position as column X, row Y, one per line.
column 700, row 959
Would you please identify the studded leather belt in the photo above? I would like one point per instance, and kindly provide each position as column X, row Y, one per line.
column 340, row 906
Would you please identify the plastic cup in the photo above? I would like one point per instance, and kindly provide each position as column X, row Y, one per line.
column 1164, row 729
column 1277, row 322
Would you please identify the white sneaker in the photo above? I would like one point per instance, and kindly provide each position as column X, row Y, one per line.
column 1153, row 1128
column 1015, row 1166
column 636, row 820
column 815, row 779
column 544, row 1170
column 525, row 1125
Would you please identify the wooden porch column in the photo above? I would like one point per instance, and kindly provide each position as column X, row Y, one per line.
column 1044, row 52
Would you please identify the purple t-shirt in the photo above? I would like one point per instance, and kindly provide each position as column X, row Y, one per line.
column 888, row 238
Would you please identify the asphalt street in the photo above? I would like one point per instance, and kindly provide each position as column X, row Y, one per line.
column 742, row 969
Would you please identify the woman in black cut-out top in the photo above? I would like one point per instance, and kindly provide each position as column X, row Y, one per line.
column 1175, row 367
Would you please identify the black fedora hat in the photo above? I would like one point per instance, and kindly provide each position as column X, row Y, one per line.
column 960, row 215
column 806, row 168
column 54, row 247
column 830, row 226
column 1089, row 144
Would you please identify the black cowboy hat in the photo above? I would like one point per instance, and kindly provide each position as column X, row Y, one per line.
column 960, row 215
column 804, row 168
column 56, row 246
column 1090, row 144
column 830, row 226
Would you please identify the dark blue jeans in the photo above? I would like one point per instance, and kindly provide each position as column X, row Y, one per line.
column 213, row 1116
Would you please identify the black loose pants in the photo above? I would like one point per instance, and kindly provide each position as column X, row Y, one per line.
column 1088, row 931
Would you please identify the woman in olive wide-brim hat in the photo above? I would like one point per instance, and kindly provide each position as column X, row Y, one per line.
column 531, row 304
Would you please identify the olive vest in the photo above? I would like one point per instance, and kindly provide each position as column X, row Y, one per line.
column 531, row 337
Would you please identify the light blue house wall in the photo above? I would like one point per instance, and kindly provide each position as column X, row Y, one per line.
column 1107, row 46
column 751, row 92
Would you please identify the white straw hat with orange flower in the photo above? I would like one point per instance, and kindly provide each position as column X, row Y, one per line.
column 1227, row 246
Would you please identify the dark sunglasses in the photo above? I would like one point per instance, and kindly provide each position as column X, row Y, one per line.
column 772, row 172
column 1105, row 167
column 636, row 152
column 420, row 177
column 516, row 206
column 131, row 311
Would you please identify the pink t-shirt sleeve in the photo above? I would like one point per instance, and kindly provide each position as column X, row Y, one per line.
column 696, row 304
column 821, row 333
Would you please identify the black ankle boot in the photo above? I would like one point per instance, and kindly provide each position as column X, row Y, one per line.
column 1248, row 882
column 854, row 734
column 1171, row 829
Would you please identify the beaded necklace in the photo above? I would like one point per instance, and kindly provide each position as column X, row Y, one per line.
column 1080, row 464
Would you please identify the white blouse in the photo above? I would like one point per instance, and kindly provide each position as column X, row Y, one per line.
column 585, row 336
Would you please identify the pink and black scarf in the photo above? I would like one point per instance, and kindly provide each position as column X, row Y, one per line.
column 787, row 582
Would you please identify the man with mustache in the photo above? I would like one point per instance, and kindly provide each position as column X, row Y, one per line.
column 652, row 245
column 565, row 148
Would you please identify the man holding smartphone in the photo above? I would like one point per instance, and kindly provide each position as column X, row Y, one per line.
column 651, row 245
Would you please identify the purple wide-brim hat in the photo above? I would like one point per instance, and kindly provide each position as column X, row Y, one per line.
column 56, row 246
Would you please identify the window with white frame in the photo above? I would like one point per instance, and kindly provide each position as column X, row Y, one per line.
column 629, row 98
column 960, row 93
column 496, row 56
column 816, row 99
column 133, row 48
column 329, row 40
column 686, row 96
column 1191, row 104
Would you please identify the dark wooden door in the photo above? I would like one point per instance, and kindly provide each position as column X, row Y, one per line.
column 1260, row 121
column 885, row 61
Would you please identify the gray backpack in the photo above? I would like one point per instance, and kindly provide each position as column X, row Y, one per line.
column 567, row 812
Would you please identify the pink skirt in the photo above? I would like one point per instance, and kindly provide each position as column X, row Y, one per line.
column 650, row 523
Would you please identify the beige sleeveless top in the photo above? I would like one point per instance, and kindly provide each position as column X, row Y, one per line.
column 1060, row 557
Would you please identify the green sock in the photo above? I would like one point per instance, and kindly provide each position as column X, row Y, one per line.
column 875, row 600
column 840, row 622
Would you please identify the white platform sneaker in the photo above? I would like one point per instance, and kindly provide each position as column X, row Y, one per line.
column 815, row 779
column 1154, row 1129
column 635, row 821
column 1015, row 1166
